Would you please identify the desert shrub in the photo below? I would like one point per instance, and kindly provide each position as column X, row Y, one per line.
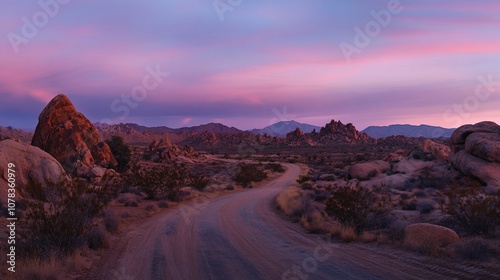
column 306, row 186
column 249, row 173
column 275, row 167
column 409, row 205
column 293, row 202
column 162, row 204
column 477, row 212
column 229, row 187
column 159, row 182
column 111, row 221
column 121, row 152
column 360, row 157
column 151, row 208
column 321, row 195
column 312, row 221
column 350, row 205
column 348, row 234
column 396, row 231
column 59, row 222
column 131, row 203
column 377, row 220
column 130, row 189
column 474, row 249
column 425, row 207
column 199, row 181
column 97, row 238
column 303, row 178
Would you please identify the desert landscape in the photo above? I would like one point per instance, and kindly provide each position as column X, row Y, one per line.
column 99, row 202
column 292, row 141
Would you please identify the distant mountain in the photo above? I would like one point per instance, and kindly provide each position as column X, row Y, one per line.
column 280, row 129
column 408, row 130
column 10, row 132
column 134, row 133
column 209, row 127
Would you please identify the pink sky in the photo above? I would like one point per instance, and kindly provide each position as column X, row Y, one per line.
column 423, row 67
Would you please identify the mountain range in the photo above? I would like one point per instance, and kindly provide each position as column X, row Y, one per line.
column 408, row 130
column 134, row 133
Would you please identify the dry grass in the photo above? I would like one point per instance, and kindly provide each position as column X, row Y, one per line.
column 474, row 249
column 111, row 221
column 39, row 270
column 151, row 209
column 313, row 222
column 367, row 237
column 348, row 234
column 292, row 202
column 76, row 262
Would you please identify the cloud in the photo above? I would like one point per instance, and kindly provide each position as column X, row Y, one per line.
column 264, row 55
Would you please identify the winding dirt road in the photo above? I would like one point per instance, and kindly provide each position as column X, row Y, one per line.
column 241, row 236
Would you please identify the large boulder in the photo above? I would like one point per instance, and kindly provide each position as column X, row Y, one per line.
column 410, row 166
column 422, row 235
column 476, row 151
column 368, row 170
column 33, row 167
column 487, row 172
column 71, row 138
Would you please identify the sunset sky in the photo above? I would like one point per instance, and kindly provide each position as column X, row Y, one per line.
column 255, row 63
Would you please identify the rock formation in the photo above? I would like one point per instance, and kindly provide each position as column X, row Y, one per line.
column 368, row 170
column 161, row 150
column 71, row 138
column 335, row 131
column 476, row 151
column 33, row 167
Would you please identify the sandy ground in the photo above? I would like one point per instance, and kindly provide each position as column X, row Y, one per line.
column 242, row 236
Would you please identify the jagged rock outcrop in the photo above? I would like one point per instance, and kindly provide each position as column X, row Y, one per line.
column 33, row 167
column 71, row 138
column 163, row 149
column 298, row 138
column 476, row 151
column 336, row 131
column 368, row 170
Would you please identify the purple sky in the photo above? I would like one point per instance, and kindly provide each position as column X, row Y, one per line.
column 257, row 63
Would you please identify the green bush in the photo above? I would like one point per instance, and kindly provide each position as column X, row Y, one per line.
column 477, row 212
column 121, row 152
column 249, row 173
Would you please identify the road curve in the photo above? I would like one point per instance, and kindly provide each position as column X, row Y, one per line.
column 240, row 236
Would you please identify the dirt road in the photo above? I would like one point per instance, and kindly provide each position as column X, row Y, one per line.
column 241, row 236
